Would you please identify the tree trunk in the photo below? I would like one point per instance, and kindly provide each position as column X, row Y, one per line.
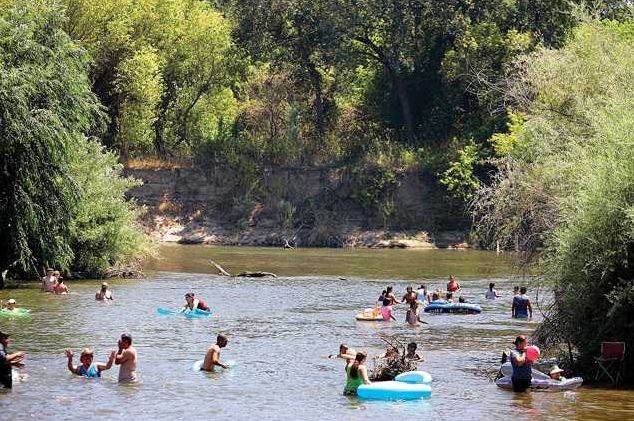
column 403, row 98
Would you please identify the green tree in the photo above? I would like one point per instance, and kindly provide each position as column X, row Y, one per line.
column 46, row 107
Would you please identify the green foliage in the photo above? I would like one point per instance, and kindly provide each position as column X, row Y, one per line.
column 459, row 178
column 570, row 186
column 104, row 229
column 46, row 106
column 62, row 197
column 163, row 69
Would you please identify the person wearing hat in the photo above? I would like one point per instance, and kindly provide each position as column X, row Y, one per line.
column 48, row 281
column 9, row 305
column 8, row 361
column 522, row 367
column 104, row 293
column 555, row 373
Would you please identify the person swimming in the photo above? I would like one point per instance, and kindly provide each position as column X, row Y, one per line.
column 191, row 303
column 9, row 305
column 88, row 368
column 212, row 357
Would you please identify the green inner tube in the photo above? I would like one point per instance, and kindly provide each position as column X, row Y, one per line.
column 16, row 312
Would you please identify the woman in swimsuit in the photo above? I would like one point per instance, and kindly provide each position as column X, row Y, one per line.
column 88, row 368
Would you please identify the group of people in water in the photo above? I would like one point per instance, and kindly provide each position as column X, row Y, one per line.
column 356, row 372
column 124, row 356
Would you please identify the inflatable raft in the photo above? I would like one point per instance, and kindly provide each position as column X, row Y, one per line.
column 540, row 380
column 369, row 315
column 406, row 386
column 16, row 312
column 437, row 307
column 190, row 314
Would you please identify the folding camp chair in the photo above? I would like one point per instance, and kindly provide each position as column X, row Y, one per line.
column 610, row 363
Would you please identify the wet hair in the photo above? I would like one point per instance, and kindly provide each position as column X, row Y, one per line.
column 389, row 289
column 523, row 290
column 189, row 294
column 221, row 338
column 354, row 370
column 127, row 338
column 409, row 288
column 386, row 302
column 462, row 300
column 449, row 295
column 86, row 351
column 412, row 345
column 491, row 285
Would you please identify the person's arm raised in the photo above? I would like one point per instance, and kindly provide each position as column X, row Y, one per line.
column 71, row 367
column 106, row 366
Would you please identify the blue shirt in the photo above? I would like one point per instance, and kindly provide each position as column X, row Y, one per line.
column 521, row 371
column 520, row 302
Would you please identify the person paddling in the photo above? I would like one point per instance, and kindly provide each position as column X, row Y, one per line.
column 88, row 368
column 104, row 293
column 191, row 303
column 126, row 359
column 356, row 374
column 212, row 357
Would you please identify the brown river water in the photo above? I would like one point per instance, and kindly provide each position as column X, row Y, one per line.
column 280, row 332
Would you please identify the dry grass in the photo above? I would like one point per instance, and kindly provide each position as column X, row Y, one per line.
column 153, row 163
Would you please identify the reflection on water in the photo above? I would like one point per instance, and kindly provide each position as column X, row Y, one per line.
column 280, row 332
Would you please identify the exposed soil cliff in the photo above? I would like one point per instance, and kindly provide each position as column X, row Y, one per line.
column 316, row 206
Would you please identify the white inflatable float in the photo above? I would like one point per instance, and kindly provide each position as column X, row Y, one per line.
column 540, row 380
column 199, row 364
column 406, row 386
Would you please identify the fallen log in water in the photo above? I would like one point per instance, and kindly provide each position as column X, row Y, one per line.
column 259, row 274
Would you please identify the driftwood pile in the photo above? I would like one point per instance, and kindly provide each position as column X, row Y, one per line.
column 393, row 363
column 223, row 272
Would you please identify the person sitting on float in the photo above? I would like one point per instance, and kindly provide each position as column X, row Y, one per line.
column 555, row 373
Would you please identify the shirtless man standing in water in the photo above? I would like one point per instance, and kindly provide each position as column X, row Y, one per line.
column 212, row 358
column 126, row 359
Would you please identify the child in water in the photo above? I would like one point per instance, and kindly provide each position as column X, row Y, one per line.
column 88, row 368
column 412, row 317
column 411, row 352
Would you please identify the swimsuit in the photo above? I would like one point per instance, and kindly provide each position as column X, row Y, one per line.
column 90, row 372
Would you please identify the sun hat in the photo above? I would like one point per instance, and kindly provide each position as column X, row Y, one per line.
column 10, row 301
column 104, row 284
column 555, row 369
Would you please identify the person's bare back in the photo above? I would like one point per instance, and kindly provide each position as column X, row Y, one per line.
column 212, row 357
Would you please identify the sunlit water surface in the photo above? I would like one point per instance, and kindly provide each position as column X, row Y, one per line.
column 280, row 332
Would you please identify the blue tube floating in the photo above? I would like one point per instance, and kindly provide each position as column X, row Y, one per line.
column 190, row 314
column 394, row 391
column 459, row 308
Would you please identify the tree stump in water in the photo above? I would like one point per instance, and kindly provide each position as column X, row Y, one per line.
column 223, row 272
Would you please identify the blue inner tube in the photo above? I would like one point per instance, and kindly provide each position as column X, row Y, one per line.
column 191, row 314
column 460, row 308
column 394, row 391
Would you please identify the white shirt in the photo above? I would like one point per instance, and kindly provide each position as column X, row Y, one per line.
column 491, row 294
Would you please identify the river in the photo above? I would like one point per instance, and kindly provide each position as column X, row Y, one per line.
column 280, row 332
